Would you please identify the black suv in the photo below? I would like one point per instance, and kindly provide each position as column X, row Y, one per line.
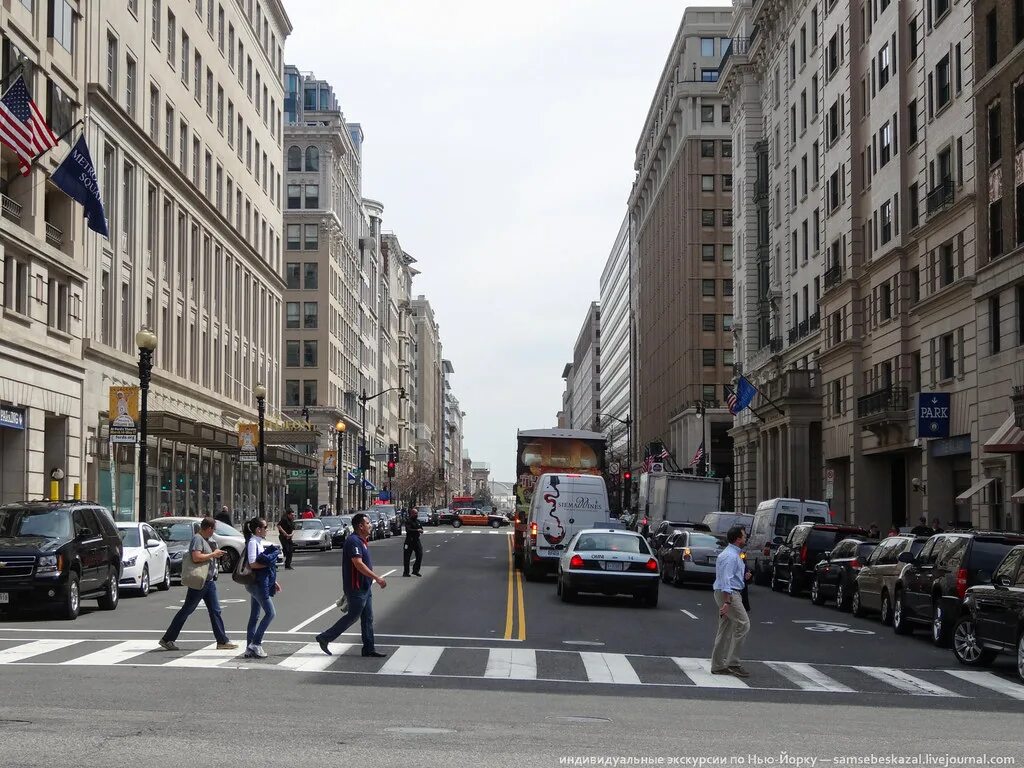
column 935, row 581
column 54, row 553
column 992, row 616
column 835, row 575
column 794, row 560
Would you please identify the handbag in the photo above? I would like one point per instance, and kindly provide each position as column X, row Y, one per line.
column 243, row 573
column 193, row 575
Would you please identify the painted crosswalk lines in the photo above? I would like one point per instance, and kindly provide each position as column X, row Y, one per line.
column 807, row 678
column 609, row 668
column 906, row 682
column 34, row 648
column 309, row 658
column 699, row 672
column 511, row 664
column 115, row 654
column 412, row 660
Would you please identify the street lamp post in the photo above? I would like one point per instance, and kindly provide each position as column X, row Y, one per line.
column 145, row 340
column 702, row 412
column 305, row 498
column 339, row 430
column 261, row 407
column 364, row 399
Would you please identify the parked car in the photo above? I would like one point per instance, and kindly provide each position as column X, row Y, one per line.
column 444, row 515
column 667, row 527
column 474, row 516
column 992, row 616
column 610, row 561
column 340, row 527
column 876, row 581
column 378, row 524
column 689, row 556
column 773, row 521
column 177, row 532
column 932, row 587
column 144, row 560
column 719, row 523
column 794, row 560
column 835, row 575
column 426, row 515
column 57, row 553
column 311, row 534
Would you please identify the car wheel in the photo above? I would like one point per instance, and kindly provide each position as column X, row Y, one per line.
column 72, row 599
column 228, row 562
column 495, row 524
column 652, row 598
column 456, row 523
column 855, row 606
column 108, row 602
column 517, row 560
column 164, row 585
column 776, row 584
column 144, row 583
column 529, row 572
column 665, row 574
column 966, row 647
column 900, row 625
column 792, row 586
column 816, row 597
column 762, row 577
column 678, row 579
column 567, row 594
column 940, row 626
column 886, row 607
column 842, row 599
column 1020, row 656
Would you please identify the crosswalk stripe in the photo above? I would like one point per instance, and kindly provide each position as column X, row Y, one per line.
column 906, row 682
column 412, row 660
column 609, row 668
column 990, row 681
column 807, row 678
column 309, row 658
column 699, row 671
column 115, row 654
column 207, row 656
column 512, row 664
column 35, row 648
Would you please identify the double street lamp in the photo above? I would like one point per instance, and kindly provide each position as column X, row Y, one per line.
column 339, row 430
column 145, row 340
column 260, row 392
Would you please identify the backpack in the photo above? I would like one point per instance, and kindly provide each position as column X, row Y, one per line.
column 243, row 573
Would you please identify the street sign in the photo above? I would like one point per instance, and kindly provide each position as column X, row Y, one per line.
column 933, row 414
column 613, row 468
column 830, row 480
column 657, row 467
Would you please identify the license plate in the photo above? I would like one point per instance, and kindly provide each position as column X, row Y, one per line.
column 4, row 598
column 610, row 566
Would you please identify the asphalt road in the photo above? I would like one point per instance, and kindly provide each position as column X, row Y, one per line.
column 487, row 664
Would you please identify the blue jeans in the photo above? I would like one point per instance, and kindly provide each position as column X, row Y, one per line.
column 254, row 633
column 208, row 595
column 360, row 606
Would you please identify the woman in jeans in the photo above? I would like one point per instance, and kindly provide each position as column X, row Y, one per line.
column 263, row 588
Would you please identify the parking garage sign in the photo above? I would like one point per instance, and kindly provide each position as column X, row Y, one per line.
column 933, row 414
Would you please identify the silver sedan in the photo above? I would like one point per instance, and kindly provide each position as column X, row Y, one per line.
column 610, row 561
column 311, row 534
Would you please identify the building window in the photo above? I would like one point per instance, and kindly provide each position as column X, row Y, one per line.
column 885, row 215
column 112, row 58
column 311, row 241
column 709, row 357
column 947, row 265
column 292, row 351
column 292, row 317
column 726, row 322
column 1020, row 314
column 309, row 392
column 994, row 324
column 995, row 229
column 726, row 114
column 294, row 196
column 291, row 392
column 707, row 393
column 1020, row 214
column 727, row 287
column 309, row 316
column 707, row 287
column 883, row 66
column 727, row 217
column 311, row 276
column 312, row 196
column 837, row 397
column 707, row 217
column 727, row 182
column 707, row 252
column 709, row 75
column 312, row 159
column 293, row 273
column 942, row 83
column 707, row 183
column 707, row 148
column 914, row 198
column 708, row 322
column 707, row 114
column 726, row 148
column 995, row 137
column 62, row 24
column 707, row 46
column 309, row 354
column 992, row 47
column 293, row 240
column 948, row 361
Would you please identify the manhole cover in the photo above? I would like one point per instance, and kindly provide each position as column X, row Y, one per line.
column 580, row 719
column 419, row 731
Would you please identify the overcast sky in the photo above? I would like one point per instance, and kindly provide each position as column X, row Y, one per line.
column 500, row 141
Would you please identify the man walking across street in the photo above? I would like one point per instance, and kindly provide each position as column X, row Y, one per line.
column 200, row 551
column 413, row 529
column 731, row 576
column 357, row 577
column 285, row 529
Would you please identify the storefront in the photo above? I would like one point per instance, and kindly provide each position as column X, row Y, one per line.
column 13, row 453
column 950, row 494
column 1003, row 459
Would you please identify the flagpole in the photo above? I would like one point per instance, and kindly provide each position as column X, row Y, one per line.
column 20, row 65
column 78, row 122
column 770, row 401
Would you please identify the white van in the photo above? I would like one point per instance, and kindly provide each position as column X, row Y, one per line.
column 562, row 505
column 773, row 521
column 721, row 522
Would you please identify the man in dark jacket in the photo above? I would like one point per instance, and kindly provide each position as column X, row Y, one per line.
column 413, row 529
column 285, row 529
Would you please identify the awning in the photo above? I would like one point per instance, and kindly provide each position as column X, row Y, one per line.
column 1009, row 438
column 1018, row 497
column 975, row 489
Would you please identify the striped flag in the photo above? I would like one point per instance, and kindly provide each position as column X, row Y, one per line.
column 698, row 456
column 22, row 126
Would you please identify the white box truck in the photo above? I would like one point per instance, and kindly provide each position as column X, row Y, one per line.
column 678, row 497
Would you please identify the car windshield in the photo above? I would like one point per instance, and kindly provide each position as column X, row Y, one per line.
column 612, row 542
column 703, row 540
column 330, row 520
column 308, row 525
column 345, row 520
column 129, row 536
column 174, row 531
column 47, row 523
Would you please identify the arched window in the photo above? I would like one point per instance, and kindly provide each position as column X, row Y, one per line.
column 312, row 159
column 294, row 159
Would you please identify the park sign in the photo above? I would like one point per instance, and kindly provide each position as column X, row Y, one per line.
column 933, row 414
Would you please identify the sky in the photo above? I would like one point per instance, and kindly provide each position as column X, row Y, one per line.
column 501, row 142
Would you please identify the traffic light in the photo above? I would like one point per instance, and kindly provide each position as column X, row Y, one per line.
column 627, row 489
column 364, row 460
column 391, row 469
column 393, row 452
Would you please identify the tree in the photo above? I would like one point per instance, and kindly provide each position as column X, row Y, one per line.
column 482, row 496
column 415, row 481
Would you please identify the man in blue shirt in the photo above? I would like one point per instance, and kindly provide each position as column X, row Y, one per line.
column 357, row 577
column 733, row 624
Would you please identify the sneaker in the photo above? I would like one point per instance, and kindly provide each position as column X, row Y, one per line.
column 169, row 645
column 724, row 671
column 249, row 654
column 226, row 646
column 258, row 652
column 738, row 671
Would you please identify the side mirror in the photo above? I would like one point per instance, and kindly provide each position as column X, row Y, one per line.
column 905, row 557
column 826, row 555
column 151, row 543
column 85, row 533
column 1003, row 581
column 778, row 540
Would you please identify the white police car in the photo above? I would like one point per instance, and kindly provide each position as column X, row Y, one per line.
column 609, row 561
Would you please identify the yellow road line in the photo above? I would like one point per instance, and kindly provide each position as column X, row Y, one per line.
column 522, row 612
column 511, row 579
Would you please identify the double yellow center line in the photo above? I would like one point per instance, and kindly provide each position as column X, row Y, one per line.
column 514, row 607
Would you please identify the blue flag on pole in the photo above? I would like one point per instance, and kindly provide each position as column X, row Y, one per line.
column 742, row 397
column 77, row 177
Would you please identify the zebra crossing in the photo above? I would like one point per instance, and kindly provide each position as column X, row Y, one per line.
column 511, row 663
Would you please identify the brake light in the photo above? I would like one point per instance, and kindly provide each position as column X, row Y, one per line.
column 576, row 562
column 961, row 583
column 855, row 564
column 803, row 554
column 652, row 565
column 686, row 553
column 533, row 530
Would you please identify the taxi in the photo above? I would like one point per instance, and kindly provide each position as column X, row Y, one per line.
column 474, row 516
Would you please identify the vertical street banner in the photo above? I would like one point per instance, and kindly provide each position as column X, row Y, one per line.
column 124, row 414
column 248, row 443
column 330, row 462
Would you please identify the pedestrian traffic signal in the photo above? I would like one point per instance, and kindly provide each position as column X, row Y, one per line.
column 391, row 469
column 627, row 489
column 393, row 452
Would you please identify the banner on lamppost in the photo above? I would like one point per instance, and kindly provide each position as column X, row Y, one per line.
column 330, row 462
column 124, row 414
column 248, row 442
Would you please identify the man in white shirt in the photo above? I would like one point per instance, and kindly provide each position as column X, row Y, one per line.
column 733, row 623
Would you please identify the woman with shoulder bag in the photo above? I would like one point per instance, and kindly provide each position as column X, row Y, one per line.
column 263, row 564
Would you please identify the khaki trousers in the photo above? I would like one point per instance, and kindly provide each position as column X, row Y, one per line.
column 732, row 631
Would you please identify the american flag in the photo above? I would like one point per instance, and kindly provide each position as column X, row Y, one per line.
column 730, row 399
column 648, row 463
column 22, row 126
column 698, row 456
